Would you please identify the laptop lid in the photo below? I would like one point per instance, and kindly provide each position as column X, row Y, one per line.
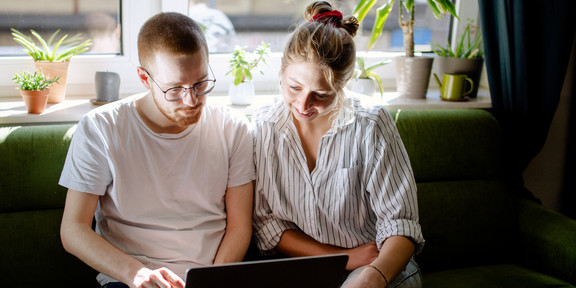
column 325, row 271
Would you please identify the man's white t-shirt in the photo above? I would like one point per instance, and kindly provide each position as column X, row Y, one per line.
column 162, row 195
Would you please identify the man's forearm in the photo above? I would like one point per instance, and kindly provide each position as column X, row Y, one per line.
column 238, row 233
column 80, row 240
column 234, row 246
column 99, row 254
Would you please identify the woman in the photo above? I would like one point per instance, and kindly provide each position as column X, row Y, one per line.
column 332, row 175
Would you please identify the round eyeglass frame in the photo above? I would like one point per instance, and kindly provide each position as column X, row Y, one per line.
column 186, row 90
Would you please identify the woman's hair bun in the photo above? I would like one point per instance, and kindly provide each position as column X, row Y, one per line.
column 350, row 23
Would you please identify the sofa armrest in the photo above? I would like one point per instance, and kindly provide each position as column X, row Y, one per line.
column 547, row 240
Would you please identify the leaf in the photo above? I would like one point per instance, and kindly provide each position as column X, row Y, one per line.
column 378, row 64
column 362, row 9
column 376, row 77
column 381, row 16
column 409, row 5
column 448, row 6
column 238, row 76
column 68, row 53
column 464, row 48
column 42, row 42
column 248, row 74
column 434, row 8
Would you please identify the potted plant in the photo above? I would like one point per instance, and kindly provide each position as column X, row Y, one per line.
column 465, row 57
column 52, row 56
column 242, row 89
column 413, row 73
column 34, row 88
column 365, row 78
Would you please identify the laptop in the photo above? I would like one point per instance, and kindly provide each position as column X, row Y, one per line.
column 325, row 271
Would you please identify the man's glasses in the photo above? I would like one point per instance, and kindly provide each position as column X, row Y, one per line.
column 176, row 93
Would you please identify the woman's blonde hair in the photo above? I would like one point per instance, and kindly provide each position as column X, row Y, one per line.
column 326, row 39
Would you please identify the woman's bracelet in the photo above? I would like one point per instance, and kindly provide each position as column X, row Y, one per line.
column 383, row 276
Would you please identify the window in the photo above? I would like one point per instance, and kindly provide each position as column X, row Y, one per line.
column 253, row 22
column 98, row 20
column 228, row 23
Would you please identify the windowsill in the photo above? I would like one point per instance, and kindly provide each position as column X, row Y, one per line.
column 13, row 111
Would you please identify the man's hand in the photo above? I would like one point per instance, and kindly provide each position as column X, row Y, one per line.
column 162, row 278
column 361, row 255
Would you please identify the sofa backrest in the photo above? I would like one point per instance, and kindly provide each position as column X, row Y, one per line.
column 465, row 211
column 31, row 205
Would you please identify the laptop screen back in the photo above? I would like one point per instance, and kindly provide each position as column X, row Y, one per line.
column 317, row 271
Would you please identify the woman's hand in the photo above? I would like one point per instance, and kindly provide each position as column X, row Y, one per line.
column 162, row 277
column 361, row 255
column 368, row 278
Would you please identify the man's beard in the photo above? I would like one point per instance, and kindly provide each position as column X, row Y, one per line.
column 181, row 121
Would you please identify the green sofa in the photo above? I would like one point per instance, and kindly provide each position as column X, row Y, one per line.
column 477, row 234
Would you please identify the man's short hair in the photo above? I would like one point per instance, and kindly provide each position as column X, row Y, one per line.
column 173, row 33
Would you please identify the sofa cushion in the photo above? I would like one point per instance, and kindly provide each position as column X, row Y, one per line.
column 450, row 144
column 466, row 214
column 465, row 223
column 31, row 248
column 493, row 276
column 32, row 160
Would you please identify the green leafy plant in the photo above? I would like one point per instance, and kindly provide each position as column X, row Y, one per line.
column 366, row 72
column 241, row 67
column 50, row 50
column 439, row 9
column 465, row 48
column 33, row 81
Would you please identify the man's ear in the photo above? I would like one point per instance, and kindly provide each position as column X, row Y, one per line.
column 144, row 78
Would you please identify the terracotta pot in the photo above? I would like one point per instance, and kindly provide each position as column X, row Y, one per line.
column 241, row 94
column 469, row 67
column 55, row 69
column 35, row 100
column 413, row 76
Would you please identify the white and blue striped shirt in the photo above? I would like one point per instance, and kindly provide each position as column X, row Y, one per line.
column 361, row 190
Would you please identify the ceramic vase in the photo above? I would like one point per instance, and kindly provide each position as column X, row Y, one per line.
column 35, row 100
column 241, row 94
column 413, row 76
column 55, row 69
column 363, row 86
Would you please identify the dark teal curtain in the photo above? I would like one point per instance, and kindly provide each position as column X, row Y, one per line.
column 527, row 48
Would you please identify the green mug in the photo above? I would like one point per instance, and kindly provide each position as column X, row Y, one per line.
column 452, row 87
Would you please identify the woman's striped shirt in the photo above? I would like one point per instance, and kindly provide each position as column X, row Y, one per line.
column 361, row 190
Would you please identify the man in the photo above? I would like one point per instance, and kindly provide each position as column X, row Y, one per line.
column 168, row 177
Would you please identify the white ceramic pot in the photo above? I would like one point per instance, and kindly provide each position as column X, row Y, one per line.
column 241, row 94
column 363, row 86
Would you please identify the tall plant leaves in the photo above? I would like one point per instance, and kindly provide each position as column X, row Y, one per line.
column 43, row 52
column 381, row 15
column 362, row 8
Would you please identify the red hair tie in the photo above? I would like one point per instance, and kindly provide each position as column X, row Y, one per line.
column 333, row 13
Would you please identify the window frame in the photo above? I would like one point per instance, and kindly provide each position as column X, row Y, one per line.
column 134, row 13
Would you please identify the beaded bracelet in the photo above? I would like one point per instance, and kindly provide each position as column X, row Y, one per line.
column 385, row 280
